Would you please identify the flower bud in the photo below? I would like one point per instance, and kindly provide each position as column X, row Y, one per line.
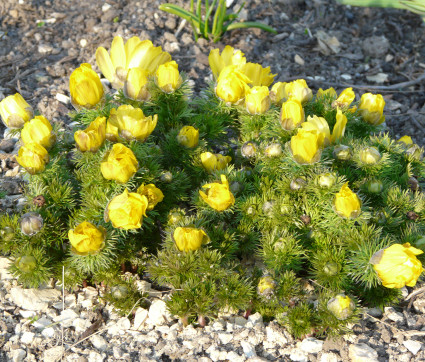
column 217, row 195
column 189, row 238
column 329, row 93
column 153, row 194
column 212, row 162
column 232, row 85
column 119, row 291
column 406, row 140
column 413, row 183
column 326, row 180
column 297, row 184
column 33, row 158
column 38, row 130
column 257, row 100
column 344, row 100
column 236, row 187
column 331, row 268
column 374, row 186
column 273, row 150
column 277, row 93
column 347, row 203
column 26, row 263
column 93, row 137
column 370, row 156
column 268, row 207
column 7, row 233
column 343, row 153
column 31, row 223
column 371, row 108
column 266, row 286
column 299, row 90
column 175, row 216
column 168, row 77
column 305, row 146
column 15, row 111
column 119, row 164
column 39, row 201
column 291, row 114
column 136, row 84
column 167, row 177
column 342, row 307
column 249, row 149
column 85, row 87
column 188, row 137
column 415, row 151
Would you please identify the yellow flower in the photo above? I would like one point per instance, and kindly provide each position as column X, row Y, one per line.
column 86, row 238
column 188, row 238
column 135, row 53
column 136, row 84
column 130, row 123
column 188, row 137
column 341, row 306
column 38, row 130
column 126, row 211
column 257, row 100
column 370, row 155
column 344, row 100
column 371, row 108
column 229, row 56
column 119, row 164
column 232, row 85
column 15, row 111
column 306, row 146
column 321, row 126
column 168, row 77
column 93, row 137
column 397, row 265
column 407, row 140
column 297, row 89
column 266, row 286
column 329, row 93
column 347, row 203
column 339, row 128
column 33, row 157
column 153, row 194
column 258, row 75
column 291, row 114
column 85, row 87
column 277, row 92
column 218, row 195
column 213, row 162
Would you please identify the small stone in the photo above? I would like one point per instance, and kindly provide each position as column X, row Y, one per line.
column 376, row 46
column 299, row 356
column 311, row 345
column 299, row 60
column 81, row 325
column 418, row 304
column 248, row 349
column 53, row 354
column 99, row 342
column 83, row 43
column 158, row 313
column 48, row 332
column 413, row 346
column 346, row 76
column 27, row 313
column 95, row 357
column 393, row 315
column 66, row 318
column 375, row 312
column 225, row 337
column 361, row 352
column 34, row 299
column 106, row 7
column 172, row 47
column 7, row 145
column 276, row 336
column 45, row 48
column 27, row 337
column 18, row 355
column 378, row 78
column 41, row 323
column 240, row 321
column 329, row 357
column 256, row 319
column 63, row 98
column 170, row 23
column 4, row 265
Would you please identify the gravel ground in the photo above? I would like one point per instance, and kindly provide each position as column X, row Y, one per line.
column 42, row 42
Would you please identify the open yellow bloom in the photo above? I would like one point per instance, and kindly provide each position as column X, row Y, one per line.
column 119, row 164
column 86, row 238
column 341, row 306
column 38, row 130
column 344, row 100
column 15, row 111
column 371, row 108
column 130, row 123
column 297, row 89
column 257, row 100
column 258, row 75
column 397, row 265
column 135, row 53
column 213, row 162
column 292, row 114
column 306, row 146
column 136, row 84
column 330, row 92
column 93, row 137
column 126, row 211
column 168, row 77
column 321, row 126
column 33, row 157
column 188, row 238
column 339, row 128
column 266, row 286
column 188, row 137
column 347, row 203
column 229, row 56
column 232, row 84
column 85, row 87
column 407, row 140
column 153, row 194
column 218, row 195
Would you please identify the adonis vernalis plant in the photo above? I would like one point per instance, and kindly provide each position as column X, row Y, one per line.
column 252, row 197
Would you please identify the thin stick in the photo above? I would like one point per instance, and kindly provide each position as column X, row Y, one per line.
column 63, row 304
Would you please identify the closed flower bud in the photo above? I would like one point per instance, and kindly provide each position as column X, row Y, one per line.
column 87, row 238
column 236, row 187
column 305, row 146
column 413, row 183
column 15, row 111
column 343, row 153
column 93, row 137
column 85, row 87
column 218, row 195
column 175, row 216
column 168, row 77
column 153, row 194
column 229, row 56
column 232, row 85
column 291, row 114
column 126, row 210
column 331, row 268
column 31, row 223
column 342, row 307
column 297, row 184
column 7, row 233
column 326, row 180
column 167, row 177
column 415, row 151
column 344, row 100
column 320, row 125
column 268, row 207
column 130, row 123
column 273, row 150
column 266, row 286
column 374, row 186
column 188, row 137
column 26, row 263
column 257, row 100
column 189, row 238
column 397, row 265
column 277, row 93
column 327, row 93
column 371, row 108
column 214, row 162
column 119, row 164
column 339, row 127
column 249, row 149
column 136, row 84
column 370, row 156
column 347, row 203
column 33, row 158
column 299, row 90
column 38, row 130
column 119, row 291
